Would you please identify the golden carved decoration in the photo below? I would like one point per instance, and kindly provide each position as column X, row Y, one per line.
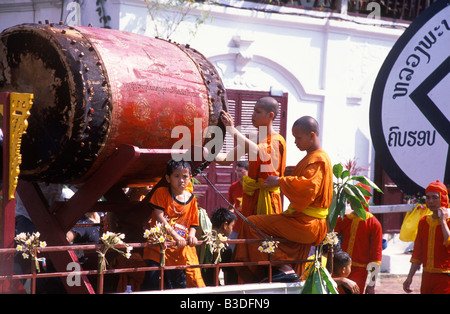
column 20, row 105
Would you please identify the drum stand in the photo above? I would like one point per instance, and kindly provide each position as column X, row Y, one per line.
column 53, row 222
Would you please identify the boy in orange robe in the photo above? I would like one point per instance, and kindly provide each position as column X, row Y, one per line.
column 432, row 244
column 310, row 191
column 362, row 240
column 266, row 157
column 175, row 207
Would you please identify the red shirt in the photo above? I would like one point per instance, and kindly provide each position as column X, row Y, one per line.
column 429, row 247
column 362, row 240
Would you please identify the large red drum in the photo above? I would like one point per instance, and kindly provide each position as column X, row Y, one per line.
column 95, row 89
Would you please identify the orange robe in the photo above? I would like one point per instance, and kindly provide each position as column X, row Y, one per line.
column 362, row 240
column 271, row 160
column 181, row 219
column 310, row 191
column 433, row 252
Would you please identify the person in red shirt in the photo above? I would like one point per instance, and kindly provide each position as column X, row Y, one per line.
column 432, row 244
column 362, row 240
column 235, row 194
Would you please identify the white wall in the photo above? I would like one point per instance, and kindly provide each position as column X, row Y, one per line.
column 326, row 62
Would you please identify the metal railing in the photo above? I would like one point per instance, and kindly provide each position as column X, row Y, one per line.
column 100, row 275
column 406, row 10
column 34, row 275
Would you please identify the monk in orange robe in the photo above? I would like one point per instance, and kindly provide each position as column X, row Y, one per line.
column 266, row 155
column 362, row 241
column 310, row 191
column 432, row 244
column 273, row 146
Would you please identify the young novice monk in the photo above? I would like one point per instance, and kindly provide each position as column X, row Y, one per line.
column 176, row 207
column 432, row 244
column 310, row 191
column 267, row 156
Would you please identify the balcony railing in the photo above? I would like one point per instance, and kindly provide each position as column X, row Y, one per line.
column 406, row 10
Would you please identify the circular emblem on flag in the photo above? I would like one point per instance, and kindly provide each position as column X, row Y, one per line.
column 410, row 104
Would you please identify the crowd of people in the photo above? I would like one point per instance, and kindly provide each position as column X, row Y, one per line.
column 257, row 195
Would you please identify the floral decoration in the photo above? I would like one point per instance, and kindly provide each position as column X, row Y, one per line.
column 110, row 239
column 29, row 245
column 217, row 243
column 158, row 235
column 268, row 246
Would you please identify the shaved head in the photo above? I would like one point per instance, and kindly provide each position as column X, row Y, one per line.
column 269, row 104
column 307, row 124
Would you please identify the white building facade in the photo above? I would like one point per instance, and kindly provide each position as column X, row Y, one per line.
column 325, row 62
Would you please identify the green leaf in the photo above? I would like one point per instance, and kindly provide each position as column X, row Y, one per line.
column 337, row 170
column 318, row 283
column 341, row 203
column 359, row 194
column 345, row 174
column 348, row 191
column 332, row 212
column 363, row 190
column 309, row 282
column 315, row 283
column 329, row 282
column 337, row 208
column 366, row 181
column 357, row 206
column 361, row 212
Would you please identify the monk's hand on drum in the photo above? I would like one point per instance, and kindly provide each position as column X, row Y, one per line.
column 226, row 118
column 272, row 181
